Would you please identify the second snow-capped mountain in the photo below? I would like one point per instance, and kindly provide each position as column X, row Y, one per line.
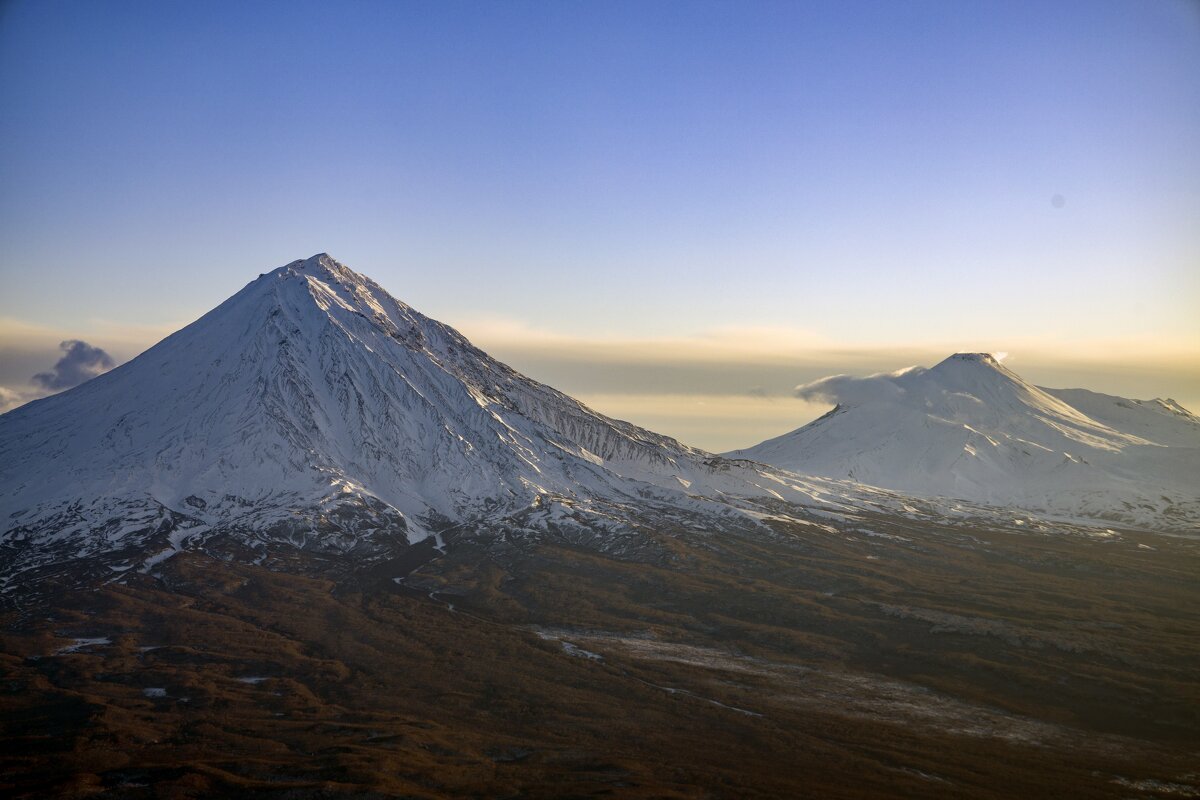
column 970, row 428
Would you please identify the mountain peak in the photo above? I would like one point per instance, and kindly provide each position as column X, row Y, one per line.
column 330, row 283
column 974, row 371
column 317, row 260
column 976, row 358
column 321, row 266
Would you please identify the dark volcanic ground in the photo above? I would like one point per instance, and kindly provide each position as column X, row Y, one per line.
column 893, row 659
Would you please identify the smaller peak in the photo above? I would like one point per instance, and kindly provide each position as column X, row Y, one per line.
column 1173, row 407
column 985, row 359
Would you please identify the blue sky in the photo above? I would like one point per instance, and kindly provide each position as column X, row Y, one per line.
column 861, row 176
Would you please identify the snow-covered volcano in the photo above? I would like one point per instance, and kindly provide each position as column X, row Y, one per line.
column 313, row 408
column 970, row 428
column 313, row 388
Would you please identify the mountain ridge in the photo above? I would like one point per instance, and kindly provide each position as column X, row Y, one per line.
column 313, row 410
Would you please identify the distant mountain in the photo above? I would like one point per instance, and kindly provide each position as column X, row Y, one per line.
column 970, row 428
column 314, row 410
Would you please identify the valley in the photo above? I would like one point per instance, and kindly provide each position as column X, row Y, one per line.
column 891, row 659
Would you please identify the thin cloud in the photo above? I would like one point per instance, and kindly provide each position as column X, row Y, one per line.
column 846, row 389
column 736, row 344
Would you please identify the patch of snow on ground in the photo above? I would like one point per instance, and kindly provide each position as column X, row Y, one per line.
column 80, row 644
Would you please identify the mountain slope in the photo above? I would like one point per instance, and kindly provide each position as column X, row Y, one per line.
column 970, row 428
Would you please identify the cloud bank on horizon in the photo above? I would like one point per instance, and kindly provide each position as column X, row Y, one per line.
column 721, row 388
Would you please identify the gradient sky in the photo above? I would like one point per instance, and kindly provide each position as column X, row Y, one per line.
column 660, row 207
